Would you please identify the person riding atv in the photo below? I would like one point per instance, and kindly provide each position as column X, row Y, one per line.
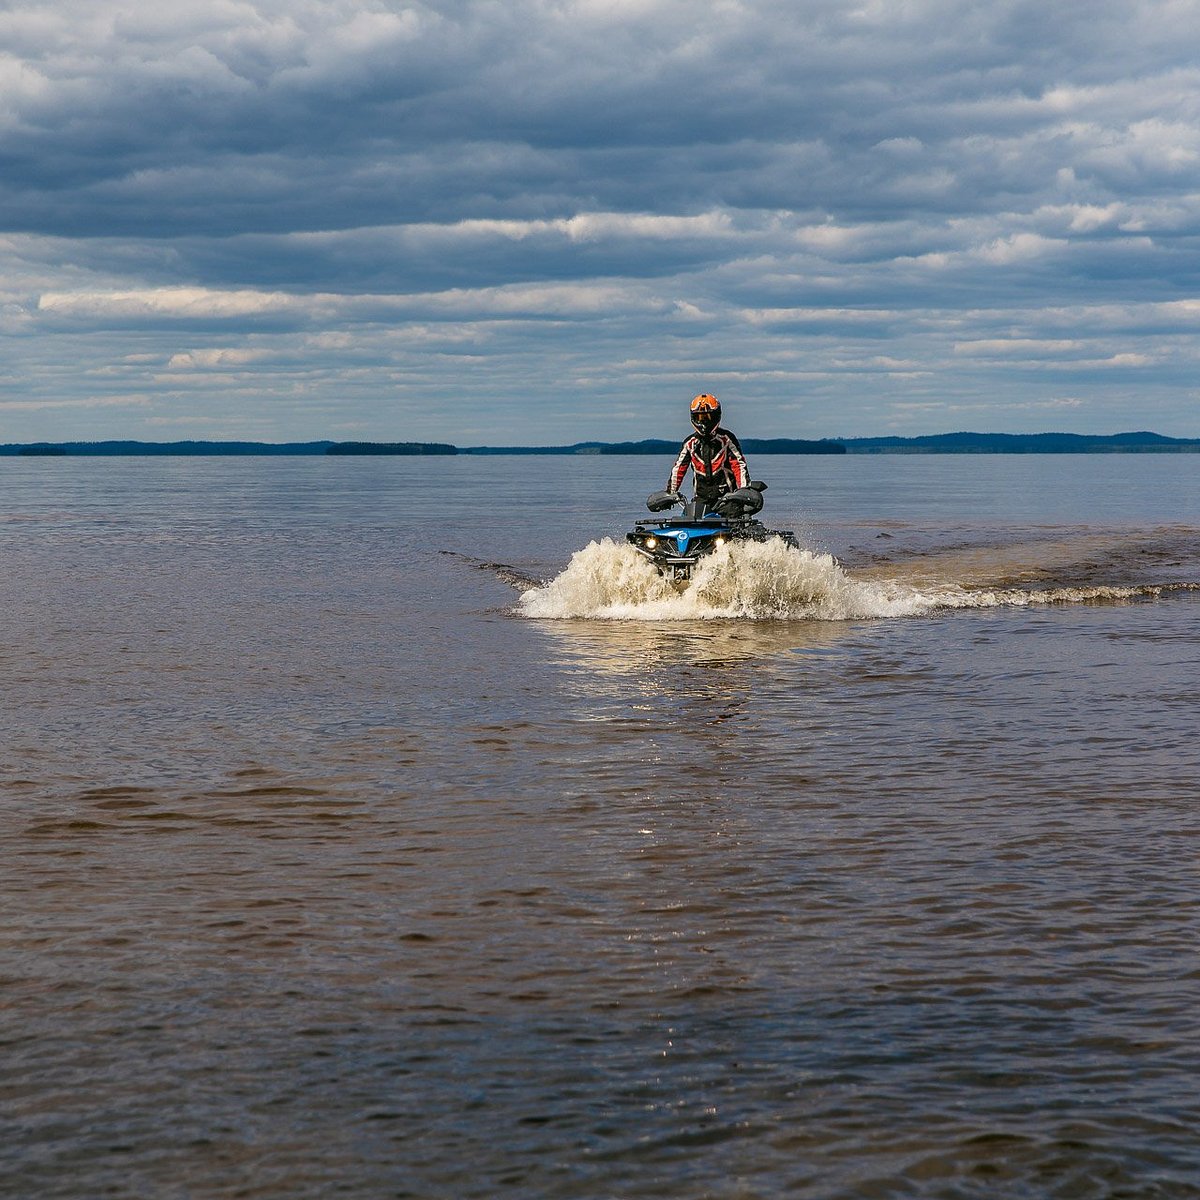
column 714, row 455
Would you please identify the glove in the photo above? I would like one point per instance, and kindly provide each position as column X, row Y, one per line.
column 659, row 501
column 744, row 502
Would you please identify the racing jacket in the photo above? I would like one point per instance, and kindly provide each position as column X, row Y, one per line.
column 717, row 462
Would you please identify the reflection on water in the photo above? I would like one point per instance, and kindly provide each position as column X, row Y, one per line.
column 633, row 649
column 695, row 673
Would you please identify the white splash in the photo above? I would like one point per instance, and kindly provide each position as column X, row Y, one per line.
column 608, row 580
column 769, row 579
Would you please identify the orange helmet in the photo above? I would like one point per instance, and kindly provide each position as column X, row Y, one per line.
column 706, row 413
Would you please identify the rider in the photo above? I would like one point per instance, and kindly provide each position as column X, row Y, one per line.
column 714, row 454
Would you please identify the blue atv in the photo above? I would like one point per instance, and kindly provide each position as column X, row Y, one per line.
column 676, row 545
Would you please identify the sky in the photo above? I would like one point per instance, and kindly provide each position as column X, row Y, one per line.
column 548, row 221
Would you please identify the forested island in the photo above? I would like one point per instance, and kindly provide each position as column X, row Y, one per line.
column 1024, row 443
column 1142, row 442
column 663, row 446
column 131, row 448
column 190, row 449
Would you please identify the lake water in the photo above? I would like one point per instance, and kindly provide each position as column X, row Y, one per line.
column 360, row 841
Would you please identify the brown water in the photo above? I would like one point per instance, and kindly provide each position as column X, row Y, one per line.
column 328, row 870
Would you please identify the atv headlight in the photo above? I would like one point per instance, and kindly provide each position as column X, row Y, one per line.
column 651, row 542
column 719, row 540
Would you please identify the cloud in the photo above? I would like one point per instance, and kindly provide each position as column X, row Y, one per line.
column 217, row 358
column 189, row 302
column 153, row 306
column 1024, row 347
column 385, row 205
column 39, row 406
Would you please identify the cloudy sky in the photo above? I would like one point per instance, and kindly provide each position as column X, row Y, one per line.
column 541, row 221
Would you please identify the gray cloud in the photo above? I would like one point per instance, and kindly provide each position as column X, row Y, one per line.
column 288, row 216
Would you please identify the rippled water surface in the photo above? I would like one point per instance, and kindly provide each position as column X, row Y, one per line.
column 362, row 836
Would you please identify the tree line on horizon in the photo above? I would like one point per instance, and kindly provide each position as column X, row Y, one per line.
column 942, row 443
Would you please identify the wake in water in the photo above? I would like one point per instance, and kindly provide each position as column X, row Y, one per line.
column 767, row 580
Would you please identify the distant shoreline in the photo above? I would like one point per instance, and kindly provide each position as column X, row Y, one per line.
column 1142, row 442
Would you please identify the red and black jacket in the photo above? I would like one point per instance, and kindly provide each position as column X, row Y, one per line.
column 717, row 462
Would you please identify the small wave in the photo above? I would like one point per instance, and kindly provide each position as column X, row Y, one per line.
column 1097, row 594
column 503, row 571
column 607, row 580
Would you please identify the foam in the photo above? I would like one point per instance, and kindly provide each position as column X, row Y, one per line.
column 607, row 580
